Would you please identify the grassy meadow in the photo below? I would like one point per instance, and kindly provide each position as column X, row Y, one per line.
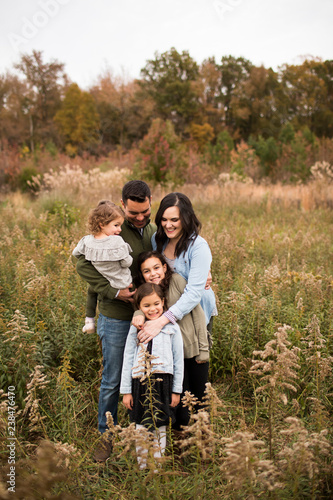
column 267, row 429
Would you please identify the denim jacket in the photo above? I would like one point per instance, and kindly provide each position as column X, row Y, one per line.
column 194, row 266
column 169, row 352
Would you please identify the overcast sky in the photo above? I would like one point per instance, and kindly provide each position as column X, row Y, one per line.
column 121, row 35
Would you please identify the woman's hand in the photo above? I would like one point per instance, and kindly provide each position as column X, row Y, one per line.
column 138, row 321
column 152, row 328
column 128, row 401
column 209, row 281
column 175, row 399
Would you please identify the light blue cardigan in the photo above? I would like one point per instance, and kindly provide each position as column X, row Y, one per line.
column 194, row 266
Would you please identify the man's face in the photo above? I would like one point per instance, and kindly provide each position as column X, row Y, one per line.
column 137, row 213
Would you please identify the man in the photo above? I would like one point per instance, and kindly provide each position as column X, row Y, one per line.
column 115, row 308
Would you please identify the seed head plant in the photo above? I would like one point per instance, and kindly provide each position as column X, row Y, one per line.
column 318, row 371
column 305, row 456
column 277, row 372
column 38, row 382
column 198, row 437
column 245, row 468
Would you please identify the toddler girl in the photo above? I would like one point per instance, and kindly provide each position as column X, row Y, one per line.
column 107, row 251
column 166, row 377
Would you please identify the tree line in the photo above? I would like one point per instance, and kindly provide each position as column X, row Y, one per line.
column 231, row 100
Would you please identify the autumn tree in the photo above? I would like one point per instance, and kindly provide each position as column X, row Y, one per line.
column 44, row 86
column 254, row 104
column 161, row 155
column 201, row 135
column 125, row 113
column 208, row 87
column 309, row 91
column 78, row 120
column 14, row 123
column 169, row 80
column 234, row 72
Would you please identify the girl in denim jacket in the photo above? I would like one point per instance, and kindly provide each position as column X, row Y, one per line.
column 152, row 384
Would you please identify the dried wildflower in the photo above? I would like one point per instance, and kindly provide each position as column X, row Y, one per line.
column 315, row 344
column 305, row 455
column 300, row 306
column 18, row 329
column 71, row 179
column 322, row 171
column 262, row 304
column 272, row 276
column 244, row 467
column 112, row 430
column 211, row 400
column 38, row 286
column 198, row 436
column 65, row 380
column 142, row 444
column 319, row 369
column 277, row 370
column 189, row 401
column 146, row 365
column 278, row 365
column 38, row 381
column 66, row 453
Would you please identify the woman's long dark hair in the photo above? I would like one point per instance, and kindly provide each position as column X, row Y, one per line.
column 190, row 223
column 143, row 256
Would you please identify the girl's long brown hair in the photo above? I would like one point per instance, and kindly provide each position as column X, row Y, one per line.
column 149, row 289
column 148, row 255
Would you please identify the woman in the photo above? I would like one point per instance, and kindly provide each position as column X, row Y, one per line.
column 154, row 269
column 188, row 254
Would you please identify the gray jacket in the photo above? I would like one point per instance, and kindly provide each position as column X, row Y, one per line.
column 110, row 256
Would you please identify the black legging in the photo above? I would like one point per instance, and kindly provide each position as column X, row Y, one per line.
column 195, row 379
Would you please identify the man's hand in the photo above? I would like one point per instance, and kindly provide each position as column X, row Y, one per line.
column 209, row 281
column 128, row 401
column 126, row 295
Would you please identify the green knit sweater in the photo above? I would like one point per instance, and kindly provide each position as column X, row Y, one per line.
column 107, row 303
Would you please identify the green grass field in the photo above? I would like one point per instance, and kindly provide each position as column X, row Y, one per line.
column 269, row 434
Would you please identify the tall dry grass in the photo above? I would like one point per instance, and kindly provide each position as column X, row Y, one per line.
column 271, row 358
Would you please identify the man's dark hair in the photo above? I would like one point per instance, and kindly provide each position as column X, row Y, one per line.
column 136, row 191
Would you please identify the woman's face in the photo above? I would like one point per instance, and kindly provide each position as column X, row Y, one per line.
column 171, row 223
column 152, row 306
column 153, row 271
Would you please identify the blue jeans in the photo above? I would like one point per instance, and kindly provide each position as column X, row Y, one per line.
column 113, row 334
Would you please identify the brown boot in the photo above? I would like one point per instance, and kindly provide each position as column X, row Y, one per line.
column 102, row 451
